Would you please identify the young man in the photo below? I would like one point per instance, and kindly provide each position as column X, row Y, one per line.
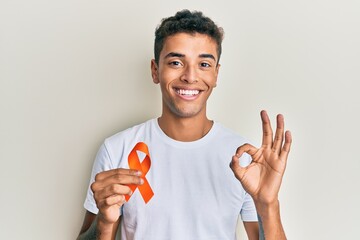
column 169, row 178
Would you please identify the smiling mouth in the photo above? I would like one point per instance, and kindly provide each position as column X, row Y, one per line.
column 186, row 92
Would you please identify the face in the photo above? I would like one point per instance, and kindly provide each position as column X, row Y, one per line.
column 187, row 73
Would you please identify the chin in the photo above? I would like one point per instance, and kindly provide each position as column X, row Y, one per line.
column 186, row 113
column 184, row 110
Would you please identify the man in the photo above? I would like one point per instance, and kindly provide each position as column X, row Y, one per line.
column 169, row 178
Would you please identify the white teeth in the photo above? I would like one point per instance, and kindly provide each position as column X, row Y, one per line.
column 187, row 92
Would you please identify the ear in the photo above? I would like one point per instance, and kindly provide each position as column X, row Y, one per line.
column 154, row 71
column 216, row 74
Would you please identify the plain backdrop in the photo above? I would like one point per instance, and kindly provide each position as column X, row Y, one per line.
column 75, row 72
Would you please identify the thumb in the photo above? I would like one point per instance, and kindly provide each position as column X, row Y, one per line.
column 236, row 168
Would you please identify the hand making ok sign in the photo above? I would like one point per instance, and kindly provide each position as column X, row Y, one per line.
column 262, row 178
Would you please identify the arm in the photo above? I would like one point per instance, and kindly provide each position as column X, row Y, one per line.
column 262, row 178
column 109, row 188
column 271, row 221
column 88, row 223
column 89, row 228
column 252, row 230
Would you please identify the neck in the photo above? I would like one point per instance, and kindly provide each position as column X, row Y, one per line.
column 185, row 129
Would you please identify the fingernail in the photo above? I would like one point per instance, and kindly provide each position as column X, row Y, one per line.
column 138, row 173
column 141, row 181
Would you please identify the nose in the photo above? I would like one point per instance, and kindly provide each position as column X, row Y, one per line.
column 189, row 75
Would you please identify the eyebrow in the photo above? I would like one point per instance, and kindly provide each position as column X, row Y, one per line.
column 180, row 55
column 206, row 55
column 174, row 54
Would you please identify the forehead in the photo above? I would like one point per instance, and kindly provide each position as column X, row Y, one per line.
column 189, row 44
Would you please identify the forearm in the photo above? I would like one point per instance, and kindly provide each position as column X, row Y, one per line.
column 270, row 221
column 99, row 231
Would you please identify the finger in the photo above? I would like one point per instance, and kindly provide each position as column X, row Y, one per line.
column 267, row 131
column 121, row 179
column 279, row 134
column 246, row 148
column 115, row 189
column 287, row 145
column 236, row 168
column 254, row 152
column 102, row 175
column 110, row 201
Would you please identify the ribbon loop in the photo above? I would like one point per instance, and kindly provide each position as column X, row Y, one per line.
column 144, row 166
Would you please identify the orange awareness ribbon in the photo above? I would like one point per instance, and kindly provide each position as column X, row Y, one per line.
column 144, row 166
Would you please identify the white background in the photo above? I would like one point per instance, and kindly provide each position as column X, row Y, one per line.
column 75, row 72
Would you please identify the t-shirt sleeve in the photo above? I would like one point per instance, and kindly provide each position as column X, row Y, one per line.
column 248, row 211
column 102, row 163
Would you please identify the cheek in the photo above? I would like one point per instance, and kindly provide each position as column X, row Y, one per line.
column 168, row 76
column 211, row 81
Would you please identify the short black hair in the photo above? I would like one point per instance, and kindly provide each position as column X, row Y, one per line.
column 186, row 21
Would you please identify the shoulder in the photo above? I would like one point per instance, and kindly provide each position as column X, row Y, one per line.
column 129, row 134
column 119, row 143
column 228, row 135
column 227, row 141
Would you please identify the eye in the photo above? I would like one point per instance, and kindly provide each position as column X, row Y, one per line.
column 205, row 65
column 175, row 63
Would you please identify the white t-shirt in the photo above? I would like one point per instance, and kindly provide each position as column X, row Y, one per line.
column 196, row 195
